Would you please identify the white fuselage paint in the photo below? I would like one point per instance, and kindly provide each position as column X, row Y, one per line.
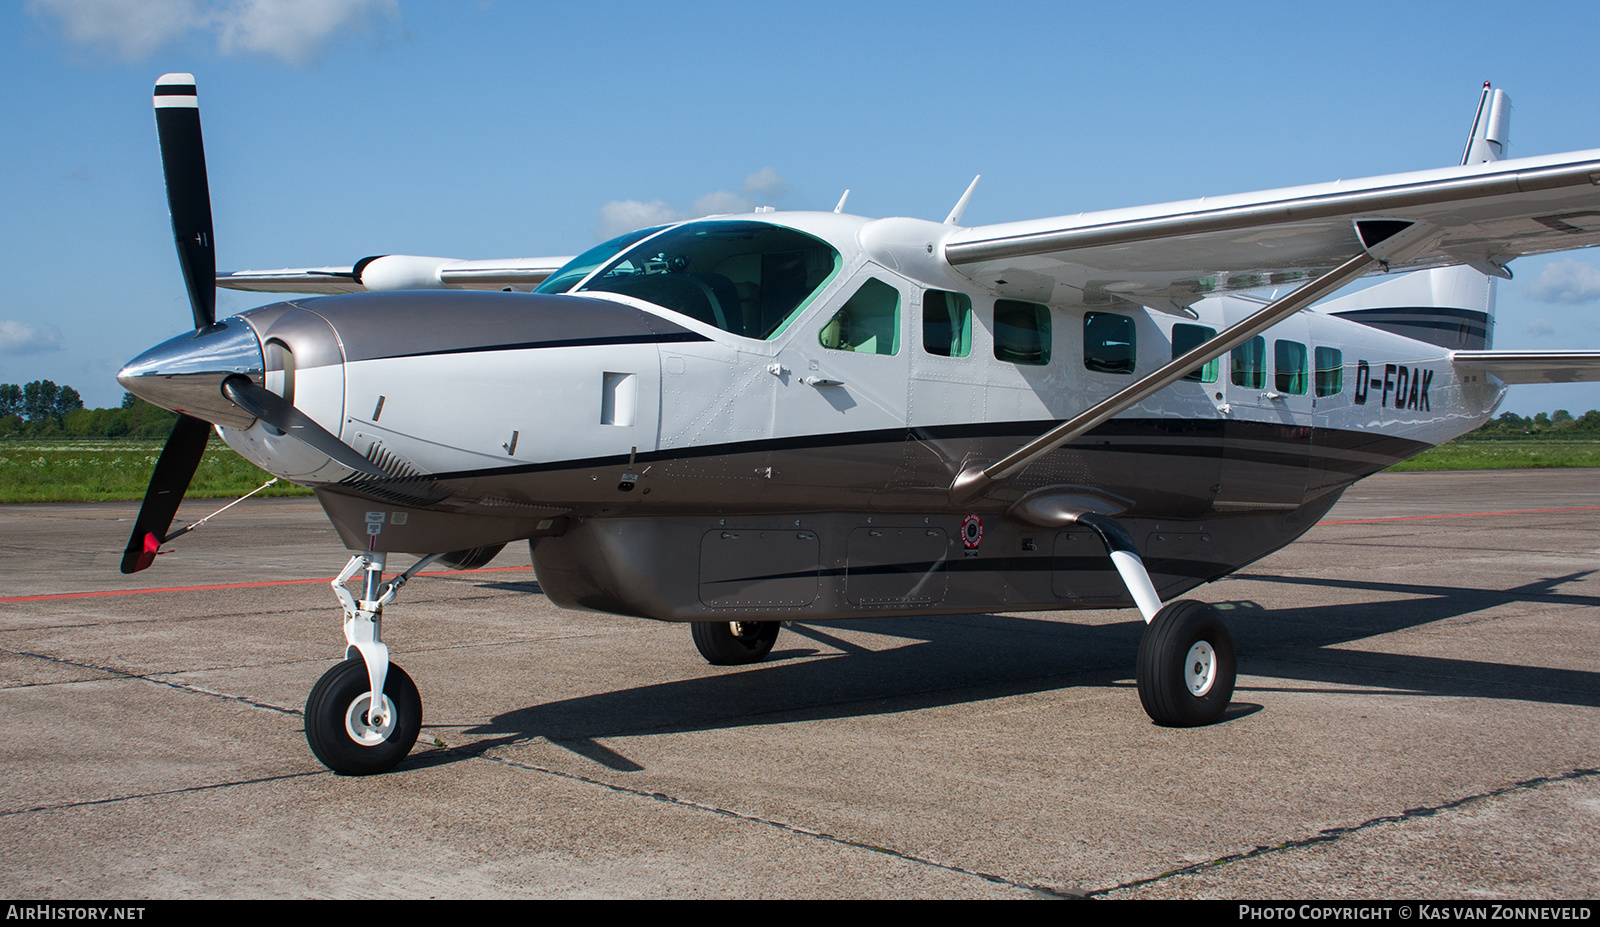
column 455, row 412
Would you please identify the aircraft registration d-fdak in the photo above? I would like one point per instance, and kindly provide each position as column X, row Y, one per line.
column 744, row 420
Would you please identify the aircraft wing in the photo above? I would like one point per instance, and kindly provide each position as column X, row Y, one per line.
column 399, row 272
column 1169, row 256
column 1532, row 366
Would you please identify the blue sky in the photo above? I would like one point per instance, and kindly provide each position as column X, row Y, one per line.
column 341, row 128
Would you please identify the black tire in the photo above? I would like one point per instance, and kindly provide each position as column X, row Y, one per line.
column 333, row 702
column 1180, row 635
column 734, row 643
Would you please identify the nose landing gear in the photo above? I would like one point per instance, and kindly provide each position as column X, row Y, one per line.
column 351, row 732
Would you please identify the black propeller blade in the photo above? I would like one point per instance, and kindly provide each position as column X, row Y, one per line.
column 183, row 161
column 282, row 415
column 175, row 468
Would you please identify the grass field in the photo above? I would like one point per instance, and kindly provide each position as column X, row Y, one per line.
column 86, row 470
column 1501, row 453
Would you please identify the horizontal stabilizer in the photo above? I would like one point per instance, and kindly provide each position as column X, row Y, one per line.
column 1532, row 366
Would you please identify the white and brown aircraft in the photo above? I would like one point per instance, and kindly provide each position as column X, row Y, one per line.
column 744, row 420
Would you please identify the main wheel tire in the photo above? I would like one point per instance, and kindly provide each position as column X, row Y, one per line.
column 472, row 558
column 734, row 643
column 1186, row 665
column 338, row 727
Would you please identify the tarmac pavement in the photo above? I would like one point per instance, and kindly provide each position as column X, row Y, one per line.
column 1417, row 716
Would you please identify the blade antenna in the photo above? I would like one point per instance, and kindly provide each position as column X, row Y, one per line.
column 961, row 204
column 840, row 207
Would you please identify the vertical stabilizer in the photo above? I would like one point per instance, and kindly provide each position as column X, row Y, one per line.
column 1452, row 307
column 1491, row 128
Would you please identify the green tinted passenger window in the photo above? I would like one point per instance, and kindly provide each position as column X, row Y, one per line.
column 946, row 323
column 1330, row 371
column 868, row 322
column 1108, row 343
column 1186, row 338
column 1289, row 367
column 1250, row 363
column 1021, row 332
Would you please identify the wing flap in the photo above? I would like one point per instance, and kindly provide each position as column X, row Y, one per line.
column 1532, row 366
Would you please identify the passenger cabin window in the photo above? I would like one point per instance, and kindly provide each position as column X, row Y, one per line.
column 1250, row 363
column 1108, row 343
column 868, row 322
column 1289, row 367
column 1330, row 371
column 1186, row 338
column 747, row 278
column 946, row 323
column 1021, row 332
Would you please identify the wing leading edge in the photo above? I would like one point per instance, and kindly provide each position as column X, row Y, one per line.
column 1168, row 256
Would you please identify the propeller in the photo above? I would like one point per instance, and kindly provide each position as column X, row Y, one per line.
column 281, row 414
column 183, row 161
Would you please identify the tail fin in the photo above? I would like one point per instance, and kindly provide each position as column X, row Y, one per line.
column 1490, row 139
column 1452, row 307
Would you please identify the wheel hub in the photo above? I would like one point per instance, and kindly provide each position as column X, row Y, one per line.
column 1200, row 668
column 358, row 722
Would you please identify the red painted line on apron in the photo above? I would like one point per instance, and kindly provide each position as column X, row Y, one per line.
column 278, row 582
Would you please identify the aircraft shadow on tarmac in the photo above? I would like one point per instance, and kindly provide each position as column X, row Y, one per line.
column 929, row 662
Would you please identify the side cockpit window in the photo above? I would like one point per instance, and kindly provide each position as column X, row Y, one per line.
column 747, row 278
column 868, row 322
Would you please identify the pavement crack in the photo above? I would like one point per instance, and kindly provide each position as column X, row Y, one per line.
column 187, row 790
column 1333, row 834
column 786, row 828
column 153, row 680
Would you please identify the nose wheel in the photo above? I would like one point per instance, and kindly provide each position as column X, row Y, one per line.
column 344, row 731
column 350, row 730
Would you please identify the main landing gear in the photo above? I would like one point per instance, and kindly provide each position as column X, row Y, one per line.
column 1186, row 665
column 734, row 643
column 351, row 732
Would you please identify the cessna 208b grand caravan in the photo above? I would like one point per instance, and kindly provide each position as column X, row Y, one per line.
column 743, row 420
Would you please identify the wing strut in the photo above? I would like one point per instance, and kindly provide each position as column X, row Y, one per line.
column 974, row 481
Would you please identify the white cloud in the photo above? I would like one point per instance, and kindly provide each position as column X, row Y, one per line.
column 767, row 183
column 1567, row 282
column 27, row 338
column 131, row 29
column 293, row 31
column 720, row 203
column 1541, row 327
column 619, row 216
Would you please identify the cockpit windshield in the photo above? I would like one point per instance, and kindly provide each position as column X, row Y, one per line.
column 584, row 264
column 748, row 278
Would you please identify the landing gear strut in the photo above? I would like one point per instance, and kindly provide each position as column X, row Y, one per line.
column 350, row 731
column 1186, row 665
